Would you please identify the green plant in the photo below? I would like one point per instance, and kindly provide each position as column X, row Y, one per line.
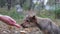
column 57, row 13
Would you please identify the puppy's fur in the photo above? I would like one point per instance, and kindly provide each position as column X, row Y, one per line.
column 46, row 25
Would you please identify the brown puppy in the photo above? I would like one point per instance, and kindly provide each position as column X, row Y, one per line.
column 46, row 25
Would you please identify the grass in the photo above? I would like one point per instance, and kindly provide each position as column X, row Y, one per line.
column 46, row 14
column 12, row 13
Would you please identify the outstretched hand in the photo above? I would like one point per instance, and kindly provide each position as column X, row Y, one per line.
column 9, row 21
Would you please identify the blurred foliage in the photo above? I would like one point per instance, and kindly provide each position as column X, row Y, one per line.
column 46, row 14
column 28, row 4
column 57, row 13
column 2, row 3
column 11, row 13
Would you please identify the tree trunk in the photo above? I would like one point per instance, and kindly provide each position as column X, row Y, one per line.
column 9, row 4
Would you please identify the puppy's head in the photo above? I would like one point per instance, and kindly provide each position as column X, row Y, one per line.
column 29, row 21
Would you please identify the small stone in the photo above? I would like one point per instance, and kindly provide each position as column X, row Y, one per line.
column 23, row 32
column 16, row 31
column 4, row 32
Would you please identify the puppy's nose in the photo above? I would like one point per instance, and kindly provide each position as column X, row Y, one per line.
column 23, row 26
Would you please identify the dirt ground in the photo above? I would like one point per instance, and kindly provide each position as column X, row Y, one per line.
column 6, row 29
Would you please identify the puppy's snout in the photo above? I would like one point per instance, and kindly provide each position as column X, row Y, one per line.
column 23, row 26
